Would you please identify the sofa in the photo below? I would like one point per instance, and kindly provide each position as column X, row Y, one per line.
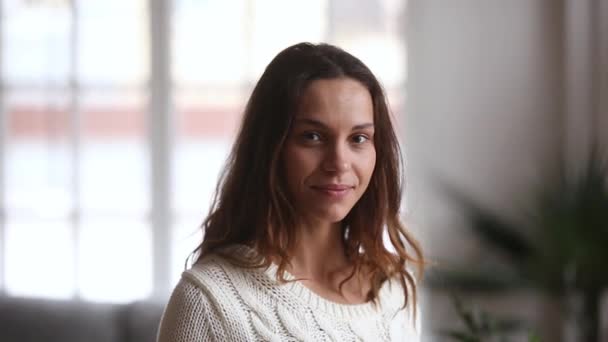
column 37, row 320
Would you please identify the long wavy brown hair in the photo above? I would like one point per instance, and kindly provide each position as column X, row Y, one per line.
column 251, row 204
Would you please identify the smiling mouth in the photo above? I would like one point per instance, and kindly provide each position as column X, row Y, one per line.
column 333, row 190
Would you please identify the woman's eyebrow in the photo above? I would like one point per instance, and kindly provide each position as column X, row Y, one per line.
column 320, row 124
column 311, row 122
column 363, row 126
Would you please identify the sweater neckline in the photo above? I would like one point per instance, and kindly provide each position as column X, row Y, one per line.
column 318, row 302
column 312, row 299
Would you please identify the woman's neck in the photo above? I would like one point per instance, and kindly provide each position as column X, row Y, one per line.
column 319, row 253
column 320, row 262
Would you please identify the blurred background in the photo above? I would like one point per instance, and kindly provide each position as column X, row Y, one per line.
column 116, row 117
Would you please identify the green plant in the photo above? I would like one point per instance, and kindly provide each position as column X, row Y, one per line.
column 561, row 248
column 480, row 326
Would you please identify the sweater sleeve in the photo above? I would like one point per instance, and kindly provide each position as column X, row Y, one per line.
column 406, row 322
column 190, row 315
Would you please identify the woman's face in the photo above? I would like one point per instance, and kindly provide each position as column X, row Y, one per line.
column 329, row 155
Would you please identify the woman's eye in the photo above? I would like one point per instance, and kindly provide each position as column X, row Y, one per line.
column 312, row 136
column 360, row 139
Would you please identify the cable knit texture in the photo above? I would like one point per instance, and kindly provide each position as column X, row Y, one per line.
column 217, row 301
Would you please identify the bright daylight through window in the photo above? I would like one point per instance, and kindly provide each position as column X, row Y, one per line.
column 77, row 154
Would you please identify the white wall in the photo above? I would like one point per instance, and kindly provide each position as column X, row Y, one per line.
column 484, row 112
column 484, row 107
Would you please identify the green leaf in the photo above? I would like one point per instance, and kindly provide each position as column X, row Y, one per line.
column 492, row 228
column 474, row 279
column 533, row 338
column 461, row 336
column 466, row 315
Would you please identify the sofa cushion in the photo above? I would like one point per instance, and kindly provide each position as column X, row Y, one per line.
column 35, row 320
column 142, row 320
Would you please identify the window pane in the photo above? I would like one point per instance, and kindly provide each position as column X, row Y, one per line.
column 205, row 126
column 38, row 154
column 298, row 21
column 210, row 41
column 114, row 164
column 39, row 258
column 372, row 31
column 187, row 235
column 36, row 41
column 114, row 260
column 112, row 44
column 206, row 121
column 383, row 53
column 197, row 165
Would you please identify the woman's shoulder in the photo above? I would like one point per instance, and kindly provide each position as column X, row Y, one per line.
column 217, row 272
column 403, row 312
column 210, row 271
column 205, row 305
column 209, row 268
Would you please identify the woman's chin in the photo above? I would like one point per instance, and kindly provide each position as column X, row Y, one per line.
column 333, row 216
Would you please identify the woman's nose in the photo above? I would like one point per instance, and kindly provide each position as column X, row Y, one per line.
column 336, row 158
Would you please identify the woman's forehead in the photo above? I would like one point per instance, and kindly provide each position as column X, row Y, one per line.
column 342, row 99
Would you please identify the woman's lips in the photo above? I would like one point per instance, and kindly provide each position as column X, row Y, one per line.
column 333, row 190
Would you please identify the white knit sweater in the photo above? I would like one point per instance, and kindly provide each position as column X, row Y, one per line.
column 217, row 301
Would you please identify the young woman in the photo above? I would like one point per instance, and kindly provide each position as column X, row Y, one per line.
column 304, row 241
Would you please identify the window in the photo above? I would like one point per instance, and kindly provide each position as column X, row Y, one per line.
column 77, row 156
column 76, row 168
